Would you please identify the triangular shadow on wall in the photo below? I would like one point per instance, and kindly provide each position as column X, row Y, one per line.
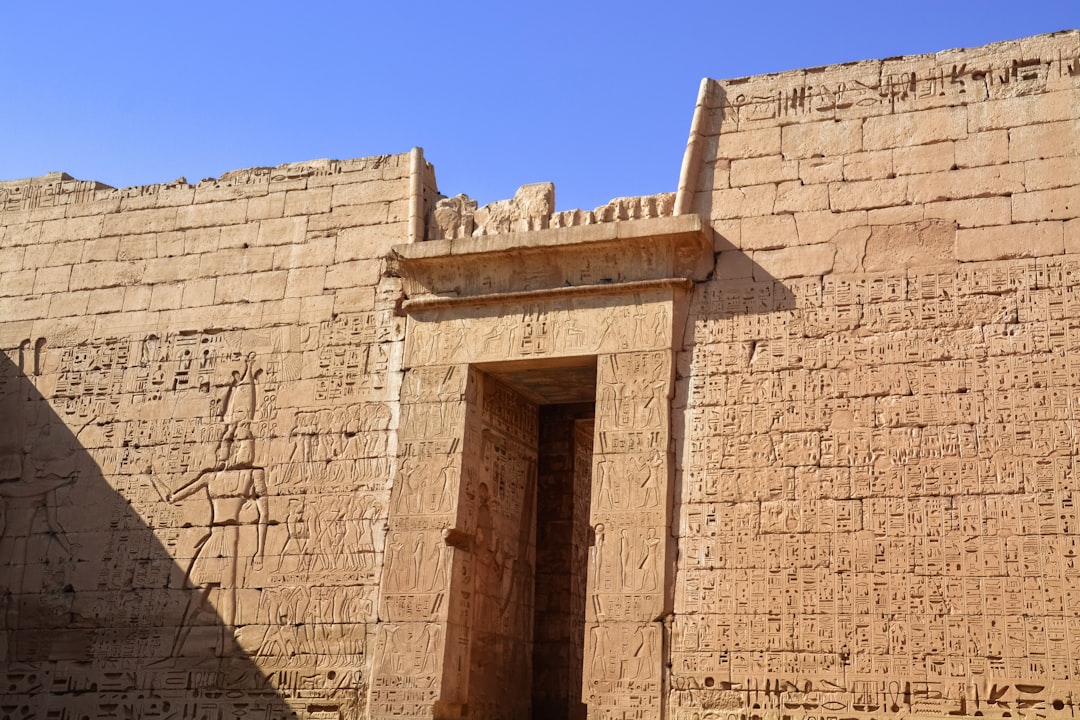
column 91, row 600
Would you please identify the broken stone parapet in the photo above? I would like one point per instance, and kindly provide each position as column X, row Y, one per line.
column 533, row 208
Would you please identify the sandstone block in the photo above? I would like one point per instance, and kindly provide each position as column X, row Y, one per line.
column 815, row 170
column 715, row 175
column 733, row 265
column 743, row 202
column 264, row 207
column 27, row 308
column 1058, row 204
column 312, row 252
column 368, row 242
column 1011, row 241
column 214, row 214
column 867, row 194
column 909, row 245
column 160, row 198
column 1010, row 112
column 137, row 298
column 967, row 183
column 169, row 269
column 106, row 300
column 308, row 202
column 238, row 260
column 768, row 232
column 268, row 285
column 914, row 128
column 17, row 282
column 232, row 289
column 139, row 222
column 69, row 304
column 171, row 244
column 983, row 148
column 363, row 193
column 62, row 253
column 802, row 261
column 1051, row 173
column 748, row 143
column 305, row 281
column 1072, row 236
column 828, row 138
column 11, row 258
column 107, row 274
column 794, row 196
column 104, row 206
column 1048, row 140
column 137, row 247
column 198, row 292
column 918, row 159
column 22, row 234
column 727, row 234
column 345, row 216
column 166, row 296
column 355, row 176
column 353, row 299
column 870, row 165
column 212, row 192
column 898, row 214
column 973, row 212
column 761, row 170
column 282, row 231
column 238, row 236
column 78, row 228
column 50, row 280
column 822, row 226
column 351, row 273
column 200, row 241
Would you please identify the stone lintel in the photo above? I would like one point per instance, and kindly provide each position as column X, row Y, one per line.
column 585, row 257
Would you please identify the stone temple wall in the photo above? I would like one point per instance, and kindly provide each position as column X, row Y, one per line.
column 879, row 393
column 796, row 443
column 198, row 401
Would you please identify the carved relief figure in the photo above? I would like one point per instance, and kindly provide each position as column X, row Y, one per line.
column 35, row 464
column 235, row 488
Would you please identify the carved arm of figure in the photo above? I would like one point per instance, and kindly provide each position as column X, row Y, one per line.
column 189, row 488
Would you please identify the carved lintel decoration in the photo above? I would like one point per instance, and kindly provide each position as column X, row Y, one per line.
column 613, row 253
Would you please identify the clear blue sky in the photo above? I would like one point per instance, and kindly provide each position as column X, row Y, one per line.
column 595, row 96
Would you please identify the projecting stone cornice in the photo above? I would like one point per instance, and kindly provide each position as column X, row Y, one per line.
column 586, row 259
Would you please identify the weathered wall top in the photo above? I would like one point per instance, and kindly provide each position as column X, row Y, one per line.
column 1015, row 68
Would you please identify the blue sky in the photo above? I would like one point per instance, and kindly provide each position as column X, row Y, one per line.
column 595, row 96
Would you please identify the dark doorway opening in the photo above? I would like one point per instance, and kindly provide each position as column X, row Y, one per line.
column 564, row 394
column 563, row 495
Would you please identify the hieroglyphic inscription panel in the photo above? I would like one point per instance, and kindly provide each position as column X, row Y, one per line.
column 628, row 563
column 211, row 516
column 878, row 511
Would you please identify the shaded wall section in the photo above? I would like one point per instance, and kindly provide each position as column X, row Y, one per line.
column 93, row 600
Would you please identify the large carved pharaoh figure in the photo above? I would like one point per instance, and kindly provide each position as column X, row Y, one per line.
column 235, row 488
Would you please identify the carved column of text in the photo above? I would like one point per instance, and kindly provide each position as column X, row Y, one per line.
column 628, row 569
column 409, row 674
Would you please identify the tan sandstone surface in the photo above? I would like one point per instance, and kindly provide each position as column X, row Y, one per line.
column 797, row 441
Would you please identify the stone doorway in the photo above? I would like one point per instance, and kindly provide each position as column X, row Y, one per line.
column 496, row 328
column 554, row 622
